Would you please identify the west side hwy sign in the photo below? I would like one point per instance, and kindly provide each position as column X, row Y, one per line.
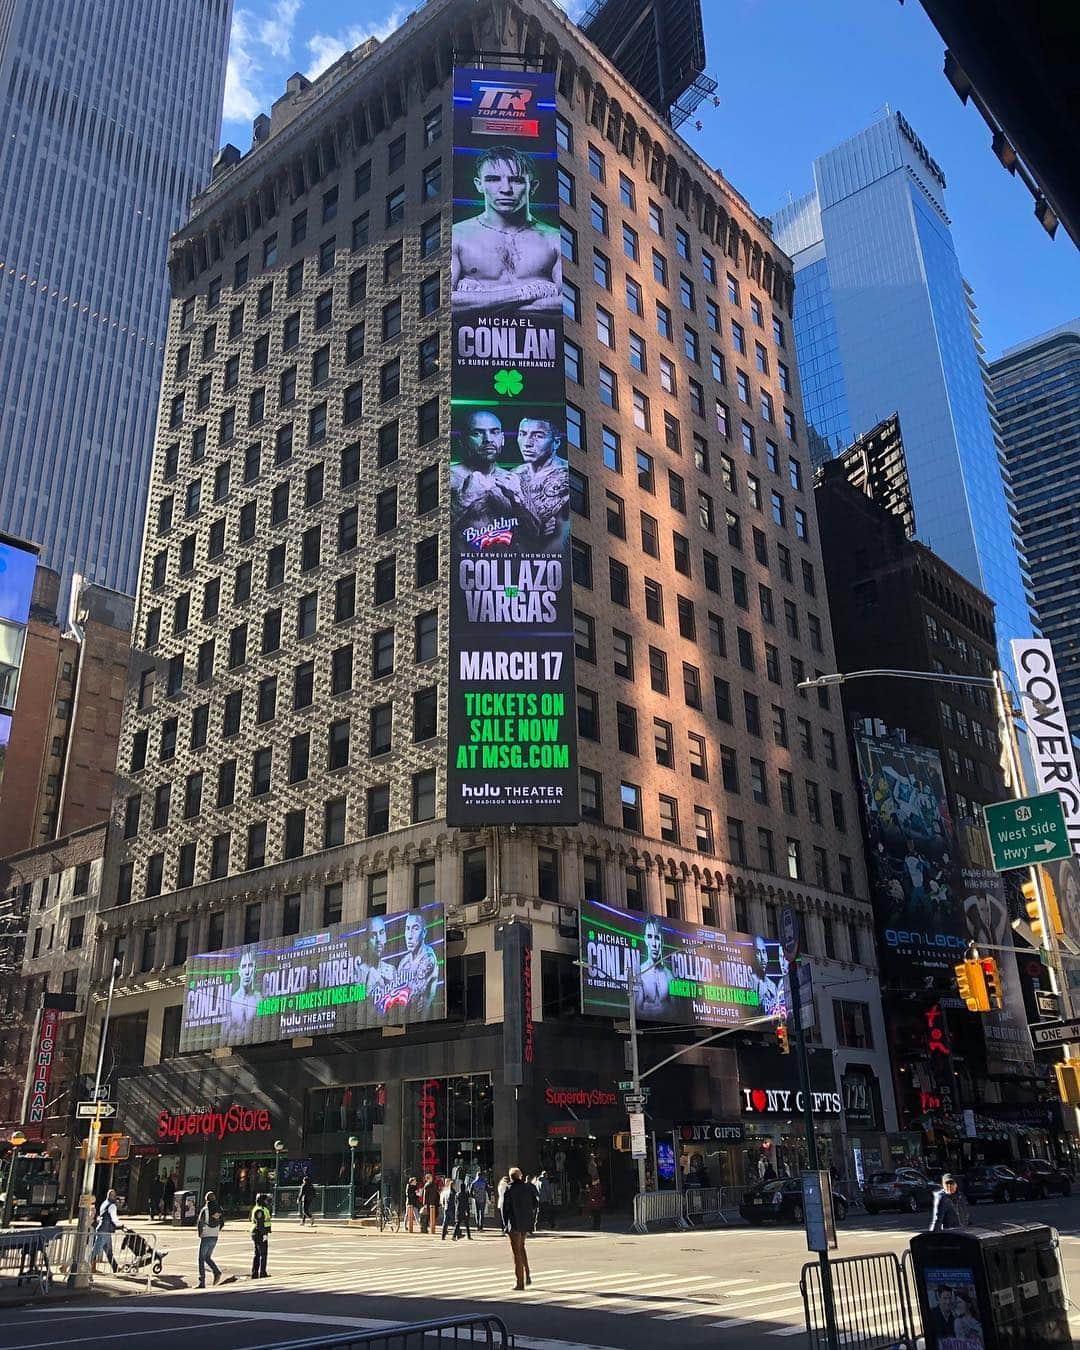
column 1027, row 831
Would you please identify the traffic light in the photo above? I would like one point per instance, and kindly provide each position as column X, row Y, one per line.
column 971, row 983
column 992, row 981
column 1053, row 909
column 1068, row 1079
column 782, row 1042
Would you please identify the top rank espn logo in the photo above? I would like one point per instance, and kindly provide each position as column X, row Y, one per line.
column 502, row 110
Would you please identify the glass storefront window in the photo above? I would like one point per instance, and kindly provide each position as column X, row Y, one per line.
column 333, row 1115
column 442, row 1117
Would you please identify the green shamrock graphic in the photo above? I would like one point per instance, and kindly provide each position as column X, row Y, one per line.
column 508, row 383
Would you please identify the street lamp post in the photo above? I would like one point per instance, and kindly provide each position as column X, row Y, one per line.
column 279, row 1149
column 354, row 1144
column 635, row 1068
column 17, row 1141
column 80, row 1270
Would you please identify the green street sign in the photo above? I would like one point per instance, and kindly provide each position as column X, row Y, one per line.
column 1027, row 832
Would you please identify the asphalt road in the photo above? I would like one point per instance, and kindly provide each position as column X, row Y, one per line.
column 728, row 1288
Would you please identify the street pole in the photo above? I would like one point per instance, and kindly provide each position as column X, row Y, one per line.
column 635, row 1067
column 827, row 1299
column 17, row 1141
column 80, row 1270
column 353, row 1141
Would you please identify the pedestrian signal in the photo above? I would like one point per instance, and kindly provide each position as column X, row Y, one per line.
column 992, row 981
column 1034, row 913
column 783, row 1044
column 1068, row 1079
column 620, row 1141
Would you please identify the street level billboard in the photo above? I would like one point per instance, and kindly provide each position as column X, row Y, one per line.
column 986, row 916
column 512, row 750
column 388, row 970
column 912, row 856
column 684, row 973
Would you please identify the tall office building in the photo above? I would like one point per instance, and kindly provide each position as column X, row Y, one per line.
column 884, row 323
column 283, row 759
column 1036, row 389
column 109, row 117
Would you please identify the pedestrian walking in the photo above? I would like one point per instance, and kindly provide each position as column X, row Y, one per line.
column 210, row 1222
column 500, row 1191
column 594, row 1201
column 168, row 1190
column 303, row 1202
column 518, row 1215
column 431, row 1202
column 456, row 1210
column 950, row 1208
column 157, row 1197
column 479, row 1191
column 108, row 1223
column 413, row 1201
column 260, row 1236
column 546, row 1191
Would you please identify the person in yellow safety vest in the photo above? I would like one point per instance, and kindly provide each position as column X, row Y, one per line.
column 260, row 1235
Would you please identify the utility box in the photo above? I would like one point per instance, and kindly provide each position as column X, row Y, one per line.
column 987, row 1290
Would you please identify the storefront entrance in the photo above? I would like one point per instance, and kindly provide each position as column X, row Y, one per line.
column 443, row 1118
column 242, row 1177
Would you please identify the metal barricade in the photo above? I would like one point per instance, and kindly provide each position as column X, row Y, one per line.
column 703, row 1204
column 658, row 1207
column 871, row 1298
column 447, row 1333
column 37, row 1256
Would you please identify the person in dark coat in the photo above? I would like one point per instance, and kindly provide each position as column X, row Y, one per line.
column 157, row 1197
column 949, row 1207
column 431, row 1202
column 304, row 1200
column 168, row 1190
column 456, row 1211
column 518, row 1213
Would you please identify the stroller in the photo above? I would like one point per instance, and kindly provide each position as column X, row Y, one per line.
column 138, row 1250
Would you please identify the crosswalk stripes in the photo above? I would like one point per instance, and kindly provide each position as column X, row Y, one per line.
column 625, row 1295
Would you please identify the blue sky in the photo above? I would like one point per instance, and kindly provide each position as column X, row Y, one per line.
column 805, row 74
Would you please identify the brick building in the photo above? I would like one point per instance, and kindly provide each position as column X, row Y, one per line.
column 282, row 750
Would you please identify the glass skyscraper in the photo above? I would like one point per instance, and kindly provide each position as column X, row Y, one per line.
column 110, row 112
column 1037, row 396
column 884, row 323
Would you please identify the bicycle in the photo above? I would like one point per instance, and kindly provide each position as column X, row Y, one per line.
column 379, row 1208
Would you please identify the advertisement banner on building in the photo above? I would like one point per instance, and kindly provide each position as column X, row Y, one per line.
column 512, row 749
column 388, row 970
column 1048, row 742
column 911, row 852
column 681, row 972
column 986, row 915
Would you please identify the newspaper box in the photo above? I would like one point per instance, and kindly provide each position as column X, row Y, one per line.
column 185, row 1208
column 987, row 1290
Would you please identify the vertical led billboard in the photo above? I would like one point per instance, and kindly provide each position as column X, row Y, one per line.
column 512, row 753
column 912, row 857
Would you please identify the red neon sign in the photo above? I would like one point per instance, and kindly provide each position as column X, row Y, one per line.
column 43, row 1066
column 234, row 1120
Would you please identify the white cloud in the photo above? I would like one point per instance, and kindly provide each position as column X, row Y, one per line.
column 256, row 40
column 325, row 48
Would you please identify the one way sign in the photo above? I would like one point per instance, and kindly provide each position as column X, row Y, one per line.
column 1057, row 1033
column 87, row 1110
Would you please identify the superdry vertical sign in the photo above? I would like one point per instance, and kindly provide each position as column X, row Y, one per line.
column 511, row 747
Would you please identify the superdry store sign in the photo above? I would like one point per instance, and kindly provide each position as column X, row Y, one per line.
column 512, row 750
column 208, row 1124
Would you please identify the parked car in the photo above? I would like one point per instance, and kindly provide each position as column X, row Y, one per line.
column 1044, row 1177
column 782, row 1200
column 994, row 1183
column 903, row 1189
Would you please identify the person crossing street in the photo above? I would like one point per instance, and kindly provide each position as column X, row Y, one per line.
column 518, row 1214
column 210, row 1223
column 260, row 1236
